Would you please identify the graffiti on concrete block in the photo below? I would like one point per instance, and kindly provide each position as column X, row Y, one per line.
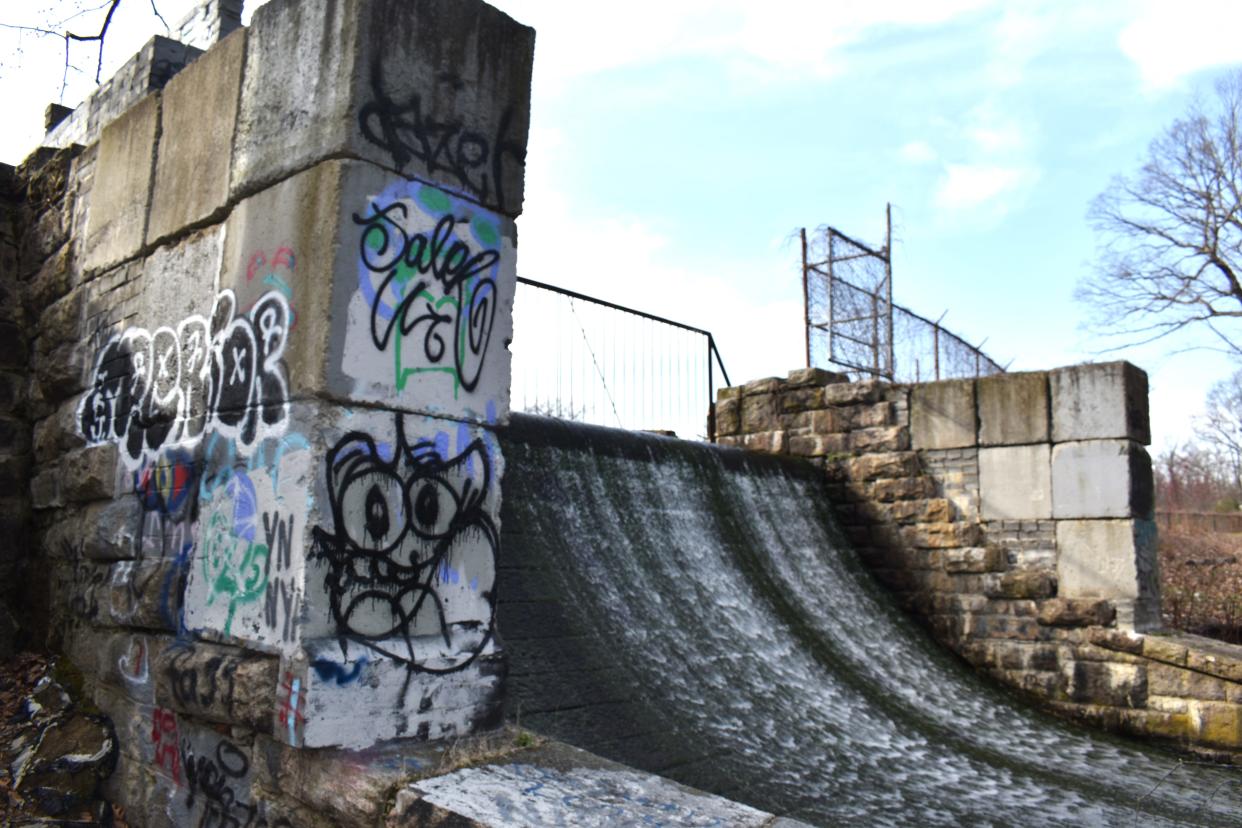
column 428, row 270
column 151, row 390
column 411, row 552
column 291, row 713
column 409, row 130
column 164, row 742
column 233, row 558
column 245, row 576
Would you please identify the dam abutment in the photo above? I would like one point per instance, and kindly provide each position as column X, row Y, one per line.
column 1013, row 516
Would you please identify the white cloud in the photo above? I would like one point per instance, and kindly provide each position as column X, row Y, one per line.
column 974, row 186
column 778, row 38
column 918, row 152
column 1169, row 41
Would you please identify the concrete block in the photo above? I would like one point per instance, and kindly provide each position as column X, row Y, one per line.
column 357, row 695
column 438, row 89
column 177, row 282
column 117, row 215
column 1114, row 560
column 415, row 288
column 1015, row 482
column 196, row 140
column 942, row 414
column 1101, row 479
column 420, row 497
column 1013, row 409
column 1106, row 400
column 219, row 684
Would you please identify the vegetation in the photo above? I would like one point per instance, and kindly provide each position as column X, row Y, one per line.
column 1171, row 249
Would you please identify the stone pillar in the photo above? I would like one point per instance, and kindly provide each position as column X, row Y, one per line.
column 321, row 415
column 1102, row 490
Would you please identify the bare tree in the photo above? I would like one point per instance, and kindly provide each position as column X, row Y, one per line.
column 69, row 11
column 1172, row 258
column 1221, row 426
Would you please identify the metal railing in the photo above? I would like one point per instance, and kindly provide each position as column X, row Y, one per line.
column 853, row 323
column 581, row 358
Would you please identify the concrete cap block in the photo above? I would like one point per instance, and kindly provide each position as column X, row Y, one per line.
column 1015, row 482
column 942, row 414
column 1101, row 479
column 178, row 281
column 196, row 140
column 1013, row 408
column 1100, row 401
column 1114, row 560
column 117, row 212
column 438, row 89
column 376, row 319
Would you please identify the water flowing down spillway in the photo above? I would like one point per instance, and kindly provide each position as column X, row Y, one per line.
column 695, row 611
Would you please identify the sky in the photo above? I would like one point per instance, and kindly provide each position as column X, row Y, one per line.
column 676, row 148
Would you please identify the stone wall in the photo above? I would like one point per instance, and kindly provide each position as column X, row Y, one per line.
column 270, row 307
column 1012, row 515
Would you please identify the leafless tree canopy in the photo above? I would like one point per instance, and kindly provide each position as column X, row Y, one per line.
column 1221, row 426
column 1172, row 258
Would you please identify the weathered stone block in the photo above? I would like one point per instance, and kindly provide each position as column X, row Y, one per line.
column 771, row 442
column 931, row 510
column 57, row 434
column 117, row 217
column 1013, row 409
column 1076, row 612
column 45, row 488
column 1015, row 482
column 1024, row 583
column 145, row 594
column 1098, row 682
column 903, row 464
column 219, row 684
column 802, row 399
column 1100, row 401
column 196, row 139
column 852, row 393
column 1164, row 648
column 728, row 416
column 894, row 438
column 942, row 414
column 760, row 412
column 89, row 474
column 814, row 376
column 1114, row 560
column 1101, row 479
column 438, row 89
column 974, row 559
column 940, row 535
column 907, row 488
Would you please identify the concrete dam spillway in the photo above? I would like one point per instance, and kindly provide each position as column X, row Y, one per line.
column 695, row 611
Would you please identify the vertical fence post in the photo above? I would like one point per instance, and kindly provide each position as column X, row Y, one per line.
column 888, row 280
column 806, row 302
column 711, row 396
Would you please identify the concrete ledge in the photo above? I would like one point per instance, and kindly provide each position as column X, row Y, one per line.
column 196, row 144
column 1103, row 401
column 1013, row 409
column 117, row 217
column 559, row 785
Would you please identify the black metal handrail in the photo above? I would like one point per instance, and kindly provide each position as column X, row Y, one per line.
column 625, row 379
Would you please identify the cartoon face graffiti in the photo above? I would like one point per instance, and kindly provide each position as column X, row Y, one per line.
column 411, row 558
